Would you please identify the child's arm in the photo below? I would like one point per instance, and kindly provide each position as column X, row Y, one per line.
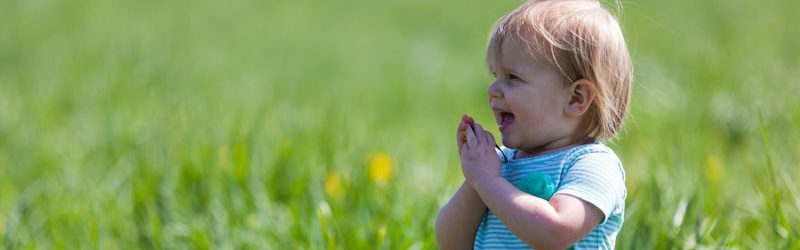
column 556, row 224
column 458, row 220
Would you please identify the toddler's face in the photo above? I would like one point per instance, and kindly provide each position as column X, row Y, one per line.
column 528, row 98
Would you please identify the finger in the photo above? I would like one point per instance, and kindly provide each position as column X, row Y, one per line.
column 490, row 139
column 479, row 132
column 460, row 136
column 469, row 120
column 471, row 138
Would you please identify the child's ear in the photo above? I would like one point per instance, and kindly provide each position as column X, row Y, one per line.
column 582, row 93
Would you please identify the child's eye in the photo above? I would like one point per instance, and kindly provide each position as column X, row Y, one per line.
column 513, row 77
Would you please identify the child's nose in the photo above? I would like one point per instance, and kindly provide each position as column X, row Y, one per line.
column 494, row 90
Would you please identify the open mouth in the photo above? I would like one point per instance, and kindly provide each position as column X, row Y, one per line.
column 506, row 119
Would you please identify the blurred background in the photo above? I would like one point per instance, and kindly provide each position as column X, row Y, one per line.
column 331, row 124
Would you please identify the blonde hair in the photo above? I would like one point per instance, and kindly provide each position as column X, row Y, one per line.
column 581, row 39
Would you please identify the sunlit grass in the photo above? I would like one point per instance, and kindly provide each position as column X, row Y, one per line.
column 297, row 124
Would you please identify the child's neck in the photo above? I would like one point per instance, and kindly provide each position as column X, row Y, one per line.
column 549, row 148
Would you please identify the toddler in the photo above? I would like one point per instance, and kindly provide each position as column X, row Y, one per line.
column 562, row 87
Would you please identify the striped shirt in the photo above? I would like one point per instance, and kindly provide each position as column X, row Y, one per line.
column 591, row 172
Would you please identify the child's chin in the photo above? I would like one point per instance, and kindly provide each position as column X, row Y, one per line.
column 508, row 142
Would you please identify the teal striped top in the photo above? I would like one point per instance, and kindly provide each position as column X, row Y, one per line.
column 591, row 172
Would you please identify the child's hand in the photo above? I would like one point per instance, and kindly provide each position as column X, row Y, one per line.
column 476, row 146
column 461, row 134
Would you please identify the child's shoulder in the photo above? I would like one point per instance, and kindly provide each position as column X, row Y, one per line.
column 589, row 148
column 596, row 151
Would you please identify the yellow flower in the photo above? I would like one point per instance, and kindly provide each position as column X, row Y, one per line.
column 380, row 167
column 333, row 184
column 713, row 168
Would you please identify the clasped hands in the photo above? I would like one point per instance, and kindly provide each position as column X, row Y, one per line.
column 476, row 146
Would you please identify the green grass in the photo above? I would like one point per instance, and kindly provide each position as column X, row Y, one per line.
column 207, row 124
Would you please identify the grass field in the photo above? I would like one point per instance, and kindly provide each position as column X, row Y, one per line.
column 330, row 124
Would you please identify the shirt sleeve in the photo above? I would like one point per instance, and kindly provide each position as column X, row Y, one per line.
column 596, row 178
